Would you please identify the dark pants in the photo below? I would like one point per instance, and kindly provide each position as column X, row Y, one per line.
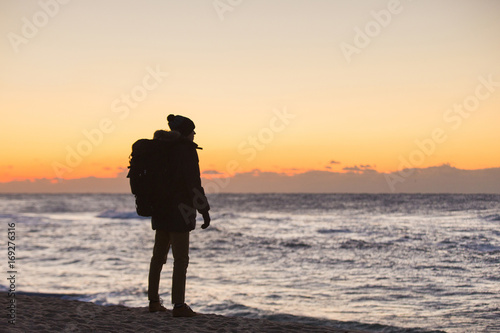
column 180, row 250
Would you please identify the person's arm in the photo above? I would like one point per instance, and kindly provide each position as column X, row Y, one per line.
column 192, row 179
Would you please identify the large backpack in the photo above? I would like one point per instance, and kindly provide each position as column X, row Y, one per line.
column 147, row 162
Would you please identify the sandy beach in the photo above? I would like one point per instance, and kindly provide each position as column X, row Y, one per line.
column 53, row 314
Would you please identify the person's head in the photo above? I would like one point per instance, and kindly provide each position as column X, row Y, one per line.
column 183, row 125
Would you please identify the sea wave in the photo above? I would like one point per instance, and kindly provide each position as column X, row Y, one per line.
column 295, row 244
column 24, row 219
column 383, row 260
column 492, row 217
column 230, row 308
column 347, row 325
column 123, row 215
column 361, row 244
column 333, row 231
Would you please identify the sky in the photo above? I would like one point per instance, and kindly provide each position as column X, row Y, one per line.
column 284, row 88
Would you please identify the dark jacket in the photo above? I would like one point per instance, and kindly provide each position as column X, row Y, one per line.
column 179, row 194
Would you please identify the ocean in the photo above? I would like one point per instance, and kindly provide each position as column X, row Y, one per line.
column 378, row 262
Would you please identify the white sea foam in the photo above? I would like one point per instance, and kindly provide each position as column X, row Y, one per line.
column 124, row 215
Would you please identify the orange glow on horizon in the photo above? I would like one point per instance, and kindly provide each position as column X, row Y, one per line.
column 280, row 98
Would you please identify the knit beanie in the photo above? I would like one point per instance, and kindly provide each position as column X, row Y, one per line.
column 180, row 124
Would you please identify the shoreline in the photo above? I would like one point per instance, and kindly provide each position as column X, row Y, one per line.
column 52, row 313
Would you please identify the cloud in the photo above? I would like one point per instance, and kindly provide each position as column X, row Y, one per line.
column 212, row 172
column 354, row 168
column 334, row 162
column 438, row 179
column 361, row 168
column 119, row 184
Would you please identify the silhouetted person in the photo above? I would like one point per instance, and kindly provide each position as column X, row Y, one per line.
column 179, row 196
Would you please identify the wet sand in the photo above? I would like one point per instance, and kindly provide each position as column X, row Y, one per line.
column 53, row 314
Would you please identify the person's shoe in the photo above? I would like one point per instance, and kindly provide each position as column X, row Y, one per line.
column 183, row 311
column 157, row 307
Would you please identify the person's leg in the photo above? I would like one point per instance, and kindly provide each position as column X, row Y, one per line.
column 180, row 251
column 159, row 258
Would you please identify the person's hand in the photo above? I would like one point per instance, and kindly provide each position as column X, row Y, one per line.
column 206, row 220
